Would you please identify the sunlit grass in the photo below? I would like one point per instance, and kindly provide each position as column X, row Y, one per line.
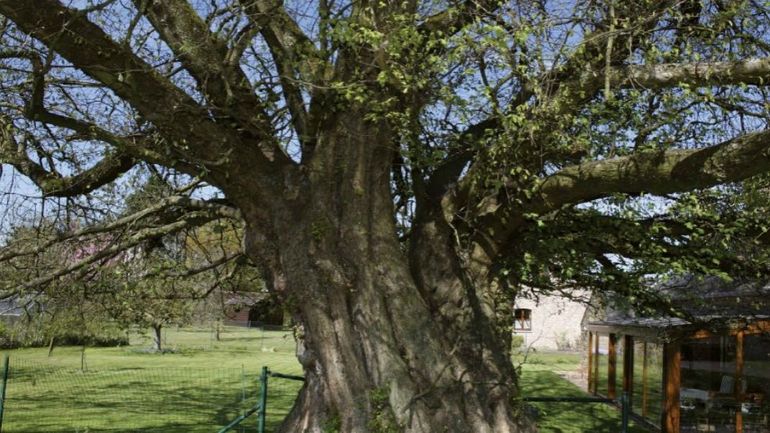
column 202, row 384
column 199, row 386
column 540, row 378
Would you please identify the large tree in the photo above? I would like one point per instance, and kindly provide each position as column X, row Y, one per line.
column 404, row 168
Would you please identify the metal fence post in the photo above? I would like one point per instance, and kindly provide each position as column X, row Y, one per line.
column 625, row 406
column 262, row 401
column 6, row 363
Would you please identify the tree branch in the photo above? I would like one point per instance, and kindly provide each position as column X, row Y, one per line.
column 449, row 170
column 144, row 146
column 187, row 273
column 118, row 246
column 656, row 172
column 660, row 173
column 296, row 57
column 754, row 71
column 563, row 90
column 191, row 133
column 206, row 57
column 52, row 183
column 169, row 205
column 457, row 18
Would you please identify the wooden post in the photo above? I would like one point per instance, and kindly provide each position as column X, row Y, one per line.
column 628, row 367
column 596, row 363
column 672, row 360
column 612, row 366
column 6, row 364
column 590, row 361
column 645, row 388
column 739, row 356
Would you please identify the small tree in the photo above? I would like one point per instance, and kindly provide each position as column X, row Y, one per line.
column 138, row 298
column 152, row 285
column 66, row 310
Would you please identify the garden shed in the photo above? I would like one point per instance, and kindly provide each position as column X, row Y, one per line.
column 707, row 373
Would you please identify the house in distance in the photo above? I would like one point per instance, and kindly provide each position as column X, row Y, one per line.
column 549, row 322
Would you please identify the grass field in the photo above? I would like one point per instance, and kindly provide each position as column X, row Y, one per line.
column 203, row 384
column 540, row 377
column 199, row 387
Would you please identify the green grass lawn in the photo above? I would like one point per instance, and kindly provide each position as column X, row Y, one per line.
column 540, row 377
column 203, row 384
column 199, row 387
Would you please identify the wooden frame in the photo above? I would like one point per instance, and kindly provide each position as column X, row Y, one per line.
column 654, row 334
column 672, row 359
column 628, row 367
column 522, row 320
column 645, row 390
column 672, row 375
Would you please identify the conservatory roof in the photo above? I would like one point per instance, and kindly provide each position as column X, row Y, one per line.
column 708, row 304
column 670, row 328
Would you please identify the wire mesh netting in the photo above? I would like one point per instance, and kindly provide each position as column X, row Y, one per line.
column 206, row 377
column 147, row 400
column 569, row 416
column 281, row 394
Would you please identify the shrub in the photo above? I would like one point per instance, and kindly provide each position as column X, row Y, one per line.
column 565, row 344
column 517, row 343
column 18, row 334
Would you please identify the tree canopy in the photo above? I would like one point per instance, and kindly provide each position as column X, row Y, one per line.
column 406, row 166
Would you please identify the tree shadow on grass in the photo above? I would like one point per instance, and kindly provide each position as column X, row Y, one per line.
column 132, row 400
column 568, row 417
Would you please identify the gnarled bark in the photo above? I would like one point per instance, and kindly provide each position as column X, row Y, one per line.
column 391, row 342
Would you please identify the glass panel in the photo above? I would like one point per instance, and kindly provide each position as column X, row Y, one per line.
column 707, row 396
column 756, row 370
column 640, row 394
column 655, row 382
column 648, row 387
column 620, row 348
column 604, row 344
column 595, row 364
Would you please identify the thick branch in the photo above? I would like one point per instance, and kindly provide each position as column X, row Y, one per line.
column 657, row 172
column 187, row 126
column 52, row 183
column 144, row 146
column 752, row 71
column 451, row 168
column 295, row 56
column 660, row 173
column 205, row 56
column 458, row 17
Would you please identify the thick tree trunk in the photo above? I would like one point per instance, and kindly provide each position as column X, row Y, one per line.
column 378, row 359
column 392, row 342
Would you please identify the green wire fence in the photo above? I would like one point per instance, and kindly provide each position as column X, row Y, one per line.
column 201, row 400
column 277, row 393
column 128, row 400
